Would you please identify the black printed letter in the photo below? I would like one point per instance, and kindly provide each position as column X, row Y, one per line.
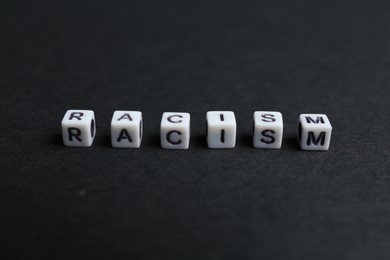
column 77, row 115
column 169, row 137
column 222, row 136
column 311, row 138
column 268, row 118
column 74, row 132
column 124, row 135
column 178, row 121
column 271, row 138
column 125, row 116
column 318, row 120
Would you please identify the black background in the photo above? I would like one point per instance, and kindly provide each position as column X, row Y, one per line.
column 295, row 57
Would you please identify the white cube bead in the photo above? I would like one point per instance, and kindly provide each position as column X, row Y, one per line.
column 267, row 130
column 314, row 132
column 175, row 130
column 221, row 129
column 78, row 128
column 126, row 129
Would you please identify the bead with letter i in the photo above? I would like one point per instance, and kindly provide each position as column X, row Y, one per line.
column 221, row 129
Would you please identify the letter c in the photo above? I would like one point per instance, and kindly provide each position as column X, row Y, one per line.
column 172, row 121
column 169, row 137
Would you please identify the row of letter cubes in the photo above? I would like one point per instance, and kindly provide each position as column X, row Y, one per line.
column 79, row 130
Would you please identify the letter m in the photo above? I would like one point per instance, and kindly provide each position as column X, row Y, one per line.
column 319, row 119
column 311, row 138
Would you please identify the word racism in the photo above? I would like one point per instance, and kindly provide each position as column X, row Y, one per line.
column 79, row 130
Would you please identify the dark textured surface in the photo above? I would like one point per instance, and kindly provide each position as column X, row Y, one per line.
column 329, row 57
